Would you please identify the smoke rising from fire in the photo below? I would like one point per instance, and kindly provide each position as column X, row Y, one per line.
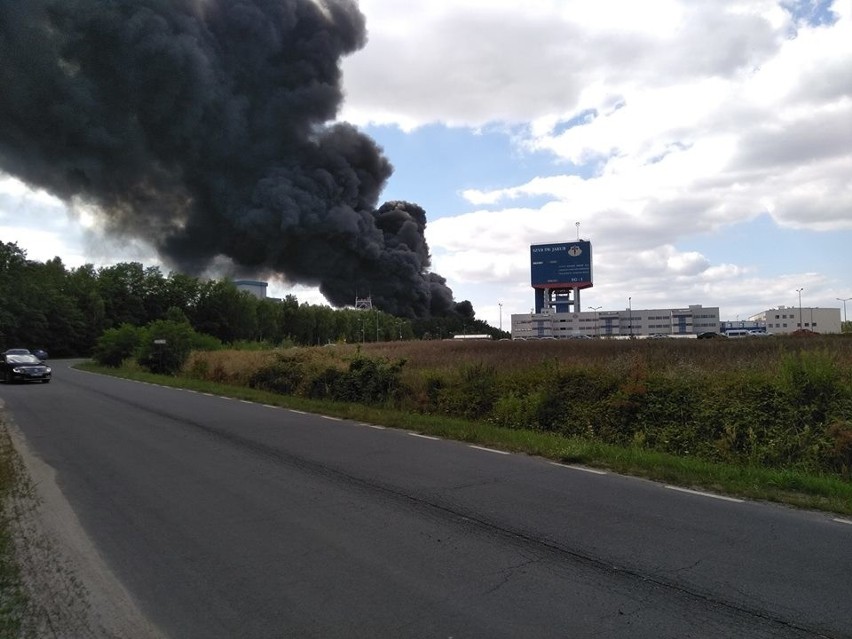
column 202, row 127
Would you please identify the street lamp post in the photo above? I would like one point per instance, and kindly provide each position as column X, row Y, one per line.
column 597, row 326
column 799, row 291
column 500, row 304
column 630, row 315
column 844, row 300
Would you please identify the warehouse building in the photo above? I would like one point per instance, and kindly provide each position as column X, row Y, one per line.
column 788, row 319
column 630, row 322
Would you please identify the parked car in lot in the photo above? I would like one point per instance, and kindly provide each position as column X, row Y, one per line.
column 19, row 367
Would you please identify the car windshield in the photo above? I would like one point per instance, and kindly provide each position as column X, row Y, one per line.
column 23, row 359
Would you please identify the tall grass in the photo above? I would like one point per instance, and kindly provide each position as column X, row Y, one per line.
column 782, row 403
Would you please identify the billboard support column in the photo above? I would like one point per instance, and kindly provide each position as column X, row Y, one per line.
column 577, row 306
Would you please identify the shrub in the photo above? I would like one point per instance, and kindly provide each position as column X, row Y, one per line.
column 165, row 346
column 839, row 452
column 471, row 393
column 371, row 381
column 284, row 376
column 117, row 344
column 513, row 410
column 812, row 379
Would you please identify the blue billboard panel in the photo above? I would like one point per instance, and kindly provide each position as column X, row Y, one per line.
column 562, row 265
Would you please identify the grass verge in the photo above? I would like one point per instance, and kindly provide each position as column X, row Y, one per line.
column 783, row 486
column 13, row 598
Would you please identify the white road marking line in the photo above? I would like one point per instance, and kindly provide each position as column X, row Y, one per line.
column 703, row 494
column 842, row 521
column 374, row 426
column 435, row 439
column 594, row 471
column 331, row 419
column 489, row 450
column 245, row 401
column 269, row 406
column 300, row 412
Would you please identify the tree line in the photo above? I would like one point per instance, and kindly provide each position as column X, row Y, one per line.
column 65, row 311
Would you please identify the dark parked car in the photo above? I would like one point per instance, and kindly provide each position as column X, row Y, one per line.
column 40, row 353
column 23, row 368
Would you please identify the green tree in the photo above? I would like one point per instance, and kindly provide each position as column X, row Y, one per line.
column 81, row 286
column 122, row 288
column 225, row 312
column 270, row 321
column 117, row 344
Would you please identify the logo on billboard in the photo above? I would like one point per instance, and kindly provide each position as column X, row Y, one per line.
column 575, row 251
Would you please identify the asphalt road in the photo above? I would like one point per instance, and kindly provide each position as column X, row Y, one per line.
column 230, row 519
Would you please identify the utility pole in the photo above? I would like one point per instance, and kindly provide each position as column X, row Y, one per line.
column 500, row 304
column 799, row 291
column 597, row 326
column 844, row 300
column 630, row 314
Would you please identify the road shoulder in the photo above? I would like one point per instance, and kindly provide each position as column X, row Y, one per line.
column 71, row 590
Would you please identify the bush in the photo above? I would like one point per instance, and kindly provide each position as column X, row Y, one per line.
column 284, row 376
column 839, row 452
column 165, row 346
column 117, row 344
column 472, row 394
column 368, row 381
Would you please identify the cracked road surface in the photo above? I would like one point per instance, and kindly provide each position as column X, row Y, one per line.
column 227, row 519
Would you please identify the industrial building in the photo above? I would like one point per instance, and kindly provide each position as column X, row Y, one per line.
column 630, row 322
column 258, row 289
column 558, row 272
column 787, row 319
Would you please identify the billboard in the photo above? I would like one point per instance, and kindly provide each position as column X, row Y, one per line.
column 562, row 265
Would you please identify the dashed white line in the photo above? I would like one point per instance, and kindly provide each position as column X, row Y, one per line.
column 377, row 427
column 593, row 471
column 703, row 494
column 331, row 419
column 425, row 436
column 300, row 412
column 842, row 521
column 269, row 406
column 489, row 450
column 245, row 401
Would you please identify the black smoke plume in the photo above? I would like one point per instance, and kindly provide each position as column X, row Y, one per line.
column 202, row 127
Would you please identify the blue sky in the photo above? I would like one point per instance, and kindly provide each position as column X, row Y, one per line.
column 705, row 147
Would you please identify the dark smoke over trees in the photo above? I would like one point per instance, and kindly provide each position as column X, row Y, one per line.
column 202, row 128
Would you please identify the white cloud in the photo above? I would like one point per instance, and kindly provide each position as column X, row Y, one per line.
column 689, row 116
